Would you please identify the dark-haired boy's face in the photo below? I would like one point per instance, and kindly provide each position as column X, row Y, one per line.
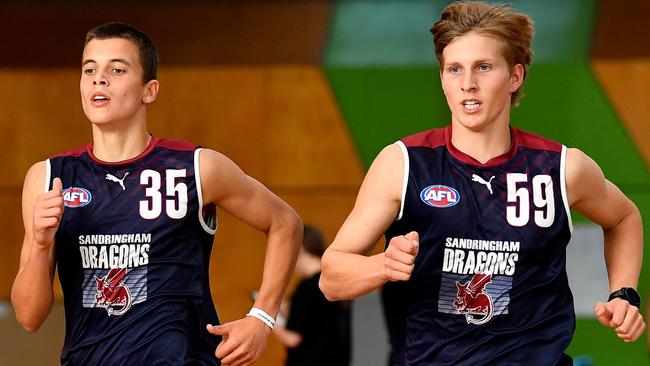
column 111, row 84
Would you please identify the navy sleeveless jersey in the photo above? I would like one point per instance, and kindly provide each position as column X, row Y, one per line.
column 489, row 285
column 133, row 251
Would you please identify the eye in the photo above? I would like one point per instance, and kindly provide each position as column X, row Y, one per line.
column 484, row 67
column 88, row 71
column 118, row 71
column 454, row 69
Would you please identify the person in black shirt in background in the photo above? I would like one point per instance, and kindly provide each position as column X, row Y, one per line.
column 317, row 331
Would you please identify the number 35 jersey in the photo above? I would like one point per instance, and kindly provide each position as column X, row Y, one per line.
column 489, row 285
column 133, row 251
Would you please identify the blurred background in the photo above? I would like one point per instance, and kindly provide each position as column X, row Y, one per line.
column 302, row 95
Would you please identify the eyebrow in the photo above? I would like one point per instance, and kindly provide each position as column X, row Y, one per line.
column 477, row 62
column 120, row 60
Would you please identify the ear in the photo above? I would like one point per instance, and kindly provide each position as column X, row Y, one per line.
column 150, row 91
column 516, row 77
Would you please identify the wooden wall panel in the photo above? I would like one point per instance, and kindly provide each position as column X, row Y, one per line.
column 625, row 81
column 12, row 231
column 40, row 114
column 307, row 132
column 621, row 29
column 186, row 33
column 280, row 124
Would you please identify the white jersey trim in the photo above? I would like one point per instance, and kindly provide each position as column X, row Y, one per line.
column 563, row 187
column 405, row 177
column 199, row 193
column 48, row 175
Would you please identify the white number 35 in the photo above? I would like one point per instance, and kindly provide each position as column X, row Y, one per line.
column 175, row 199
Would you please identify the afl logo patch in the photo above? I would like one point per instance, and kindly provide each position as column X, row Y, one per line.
column 75, row 197
column 440, row 196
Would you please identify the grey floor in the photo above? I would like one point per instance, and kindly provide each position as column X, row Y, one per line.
column 19, row 347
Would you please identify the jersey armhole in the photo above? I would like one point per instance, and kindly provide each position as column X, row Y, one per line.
column 565, row 200
column 48, row 175
column 405, row 177
column 199, row 194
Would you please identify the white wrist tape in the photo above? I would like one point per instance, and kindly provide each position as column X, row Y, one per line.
column 263, row 316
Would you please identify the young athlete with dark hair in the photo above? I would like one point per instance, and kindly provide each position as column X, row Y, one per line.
column 129, row 222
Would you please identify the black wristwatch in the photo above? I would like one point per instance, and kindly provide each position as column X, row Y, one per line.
column 629, row 294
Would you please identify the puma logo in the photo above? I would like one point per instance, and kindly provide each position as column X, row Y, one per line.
column 488, row 184
column 113, row 178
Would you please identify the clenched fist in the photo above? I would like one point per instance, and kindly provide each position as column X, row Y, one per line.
column 399, row 257
column 625, row 319
column 48, row 210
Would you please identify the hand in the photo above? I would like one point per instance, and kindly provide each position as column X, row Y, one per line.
column 243, row 341
column 624, row 318
column 399, row 258
column 48, row 210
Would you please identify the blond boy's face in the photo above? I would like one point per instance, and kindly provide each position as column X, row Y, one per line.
column 477, row 81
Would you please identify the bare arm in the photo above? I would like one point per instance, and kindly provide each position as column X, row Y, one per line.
column 602, row 202
column 347, row 269
column 32, row 294
column 225, row 185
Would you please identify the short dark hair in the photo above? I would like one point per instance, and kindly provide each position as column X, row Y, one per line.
column 313, row 241
column 146, row 48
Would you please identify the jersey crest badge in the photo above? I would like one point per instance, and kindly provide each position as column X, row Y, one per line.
column 113, row 295
column 473, row 301
column 75, row 197
column 440, row 196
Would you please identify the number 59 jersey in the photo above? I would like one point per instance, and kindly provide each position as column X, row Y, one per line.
column 133, row 251
column 489, row 285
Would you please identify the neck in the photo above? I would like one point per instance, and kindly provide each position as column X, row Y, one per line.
column 113, row 145
column 492, row 141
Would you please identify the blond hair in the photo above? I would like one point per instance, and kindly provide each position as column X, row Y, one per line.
column 514, row 29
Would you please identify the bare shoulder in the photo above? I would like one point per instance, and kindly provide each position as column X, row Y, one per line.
column 35, row 180
column 388, row 166
column 377, row 205
column 591, row 194
column 580, row 168
column 220, row 176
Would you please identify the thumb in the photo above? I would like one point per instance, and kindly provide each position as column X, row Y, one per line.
column 603, row 315
column 414, row 238
column 218, row 329
column 57, row 185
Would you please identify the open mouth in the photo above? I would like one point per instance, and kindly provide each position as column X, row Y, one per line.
column 99, row 99
column 471, row 104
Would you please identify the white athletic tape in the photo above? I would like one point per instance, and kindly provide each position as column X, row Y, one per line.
column 263, row 316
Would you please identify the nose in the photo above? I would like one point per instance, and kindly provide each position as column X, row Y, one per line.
column 469, row 82
column 100, row 79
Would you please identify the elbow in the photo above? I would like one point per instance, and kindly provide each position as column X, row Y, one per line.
column 328, row 290
column 326, row 285
column 30, row 324
column 30, row 319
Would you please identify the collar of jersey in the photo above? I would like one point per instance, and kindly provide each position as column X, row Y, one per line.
column 152, row 144
column 497, row 160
